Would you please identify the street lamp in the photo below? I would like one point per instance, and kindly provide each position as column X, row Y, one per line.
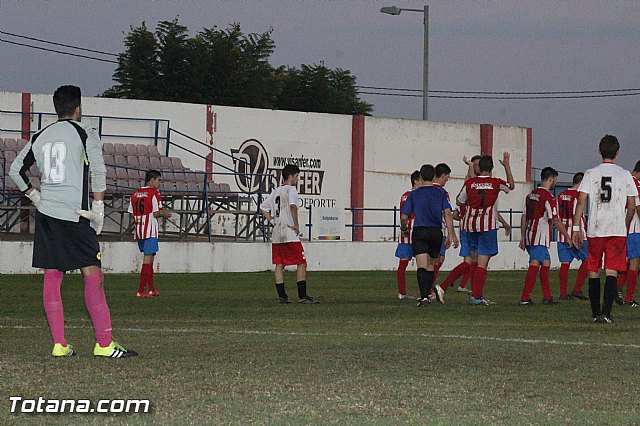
column 393, row 10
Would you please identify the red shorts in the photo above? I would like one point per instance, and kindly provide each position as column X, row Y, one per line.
column 614, row 250
column 288, row 253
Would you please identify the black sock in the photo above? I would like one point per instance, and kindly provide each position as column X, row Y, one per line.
column 281, row 292
column 302, row 289
column 610, row 292
column 423, row 278
column 594, row 296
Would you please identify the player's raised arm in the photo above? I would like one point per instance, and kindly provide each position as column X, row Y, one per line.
column 507, row 169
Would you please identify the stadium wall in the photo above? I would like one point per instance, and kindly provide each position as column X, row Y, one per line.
column 124, row 257
column 347, row 161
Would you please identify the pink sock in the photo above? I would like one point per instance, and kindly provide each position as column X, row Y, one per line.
column 53, row 304
column 97, row 306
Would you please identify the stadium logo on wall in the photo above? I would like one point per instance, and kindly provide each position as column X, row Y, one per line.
column 251, row 164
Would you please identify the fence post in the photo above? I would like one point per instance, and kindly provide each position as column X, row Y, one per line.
column 309, row 225
column 395, row 222
column 353, row 227
column 206, row 206
column 511, row 224
column 168, row 141
column 155, row 138
column 100, row 126
column 39, row 120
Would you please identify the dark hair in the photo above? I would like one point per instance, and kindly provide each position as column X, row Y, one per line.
column 476, row 157
column 289, row 170
column 577, row 178
column 66, row 99
column 486, row 163
column 637, row 167
column 414, row 177
column 442, row 169
column 427, row 171
column 151, row 174
column 609, row 147
column 548, row 173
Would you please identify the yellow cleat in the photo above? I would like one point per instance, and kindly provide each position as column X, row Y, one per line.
column 114, row 350
column 59, row 350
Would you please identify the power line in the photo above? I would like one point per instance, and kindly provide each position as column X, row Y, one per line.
column 470, row 92
column 58, row 51
column 58, row 44
column 501, row 97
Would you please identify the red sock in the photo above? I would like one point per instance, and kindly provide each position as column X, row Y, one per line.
column 632, row 280
column 468, row 277
column 564, row 278
column 529, row 282
column 582, row 277
column 457, row 272
column 143, row 278
column 150, row 277
column 436, row 269
column 400, row 276
column 544, row 282
column 477, row 282
column 622, row 277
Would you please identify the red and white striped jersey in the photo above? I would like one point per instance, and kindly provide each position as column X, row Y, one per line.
column 144, row 203
column 480, row 194
column 634, row 226
column 540, row 208
column 567, row 202
column 403, row 239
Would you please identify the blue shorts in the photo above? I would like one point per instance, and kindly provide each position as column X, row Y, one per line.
column 443, row 247
column 465, row 249
column 485, row 243
column 404, row 251
column 539, row 253
column 633, row 246
column 566, row 254
column 148, row 246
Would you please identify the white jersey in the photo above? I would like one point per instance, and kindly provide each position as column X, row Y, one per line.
column 608, row 186
column 278, row 204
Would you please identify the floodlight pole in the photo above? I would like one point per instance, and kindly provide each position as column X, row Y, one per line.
column 394, row 10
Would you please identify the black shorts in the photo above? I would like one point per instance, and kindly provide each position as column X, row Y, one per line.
column 427, row 240
column 64, row 245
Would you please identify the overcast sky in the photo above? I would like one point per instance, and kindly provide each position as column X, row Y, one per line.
column 474, row 45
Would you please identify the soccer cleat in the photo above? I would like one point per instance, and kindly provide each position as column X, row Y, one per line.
column 463, row 290
column 308, row 301
column 439, row 292
column 527, row 302
column 154, row 293
column 405, row 297
column 423, row 302
column 486, row 301
column 550, row 302
column 566, row 297
column 284, row 300
column 114, row 350
column 606, row 319
column 597, row 320
column 578, row 295
column 143, row 295
column 633, row 304
column 619, row 300
column 481, row 301
column 59, row 350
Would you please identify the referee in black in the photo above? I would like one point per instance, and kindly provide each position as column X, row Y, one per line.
column 428, row 204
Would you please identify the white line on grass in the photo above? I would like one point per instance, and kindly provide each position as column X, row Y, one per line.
column 308, row 334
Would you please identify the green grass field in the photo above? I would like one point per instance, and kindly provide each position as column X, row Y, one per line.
column 219, row 349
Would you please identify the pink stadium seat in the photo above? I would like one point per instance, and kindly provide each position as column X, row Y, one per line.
column 22, row 143
column 120, row 160
column 131, row 149
column 123, row 186
column 141, row 149
column 153, row 151
column 133, row 161
column 111, row 173
column 192, row 186
column 108, row 159
column 155, row 162
column 168, row 176
column 165, row 162
column 10, row 156
column 122, row 173
column 11, row 145
column 225, row 188
column 144, row 163
column 133, row 175
column 1, row 144
column 176, row 163
column 167, row 186
column 119, row 149
column 182, row 186
column 107, row 148
column 213, row 187
column 179, row 176
column 193, row 177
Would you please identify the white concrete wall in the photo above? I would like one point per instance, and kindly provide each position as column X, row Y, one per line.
column 124, row 257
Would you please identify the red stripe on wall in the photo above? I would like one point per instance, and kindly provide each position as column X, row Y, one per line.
column 486, row 139
column 529, row 154
column 26, row 116
column 208, row 163
column 357, row 173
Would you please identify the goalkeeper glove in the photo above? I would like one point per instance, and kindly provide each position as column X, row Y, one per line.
column 34, row 196
column 95, row 215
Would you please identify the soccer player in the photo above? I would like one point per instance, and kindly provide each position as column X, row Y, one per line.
column 567, row 201
column 480, row 195
column 281, row 210
column 633, row 247
column 428, row 203
column 610, row 188
column 146, row 207
column 67, row 152
column 540, row 211
column 403, row 250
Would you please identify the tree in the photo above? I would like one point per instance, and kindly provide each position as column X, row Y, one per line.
column 226, row 67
